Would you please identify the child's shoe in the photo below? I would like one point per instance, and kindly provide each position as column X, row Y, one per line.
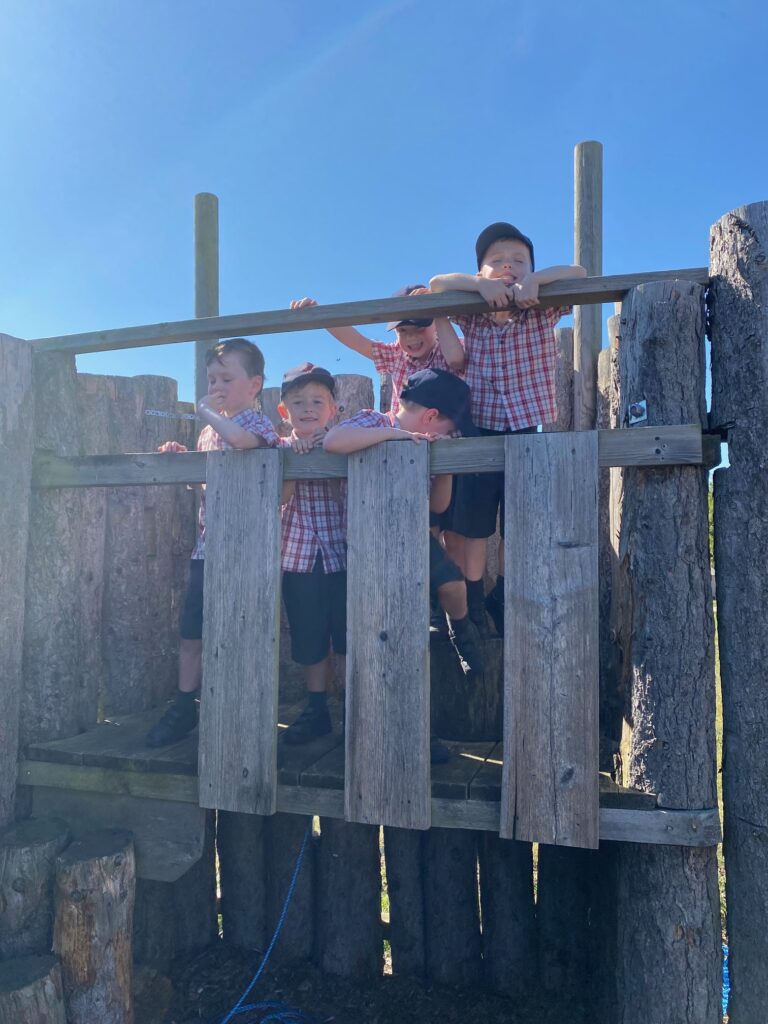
column 466, row 640
column 178, row 719
column 313, row 722
column 438, row 624
column 494, row 605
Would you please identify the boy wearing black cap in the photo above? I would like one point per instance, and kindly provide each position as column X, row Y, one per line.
column 416, row 347
column 314, row 554
column 433, row 404
column 510, row 358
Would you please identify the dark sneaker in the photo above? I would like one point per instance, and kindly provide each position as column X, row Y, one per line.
column 179, row 719
column 494, row 605
column 438, row 624
column 438, row 752
column 312, row 723
column 478, row 616
column 469, row 646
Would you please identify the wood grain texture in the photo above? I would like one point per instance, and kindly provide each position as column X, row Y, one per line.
column 739, row 334
column 238, row 713
column 550, row 774
column 31, row 991
column 387, row 734
column 587, row 251
column 640, row 446
column 563, row 382
column 16, row 418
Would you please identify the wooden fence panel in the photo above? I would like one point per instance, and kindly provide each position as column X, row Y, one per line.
column 550, row 774
column 387, row 736
column 238, row 708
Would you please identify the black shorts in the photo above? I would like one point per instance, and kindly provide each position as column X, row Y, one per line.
column 316, row 605
column 480, row 497
column 441, row 569
column 191, row 618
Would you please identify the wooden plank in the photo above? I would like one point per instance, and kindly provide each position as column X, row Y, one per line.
column 638, row 446
column 387, row 734
column 669, row 827
column 587, row 251
column 549, row 776
column 370, row 311
column 238, row 708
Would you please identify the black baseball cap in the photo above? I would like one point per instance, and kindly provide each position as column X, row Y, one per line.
column 493, row 233
column 305, row 374
column 412, row 321
column 438, row 389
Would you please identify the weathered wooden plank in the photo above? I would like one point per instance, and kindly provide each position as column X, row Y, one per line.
column 549, row 780
column 370, row 311
column 588, row 251
column 623, row 824
column 16, row 442
column 639, row 446
column 237, row 747
column 387, row 734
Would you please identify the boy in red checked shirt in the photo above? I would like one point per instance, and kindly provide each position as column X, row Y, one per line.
column 235, row 379
column 314, row 550
column 433, row 404
column 416, row 347
column 509, row 363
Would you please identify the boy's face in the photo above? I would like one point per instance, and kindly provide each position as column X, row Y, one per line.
column 229, row 385
column 419, row 419
column 416, row 342
column 508, row 260
column 308, row 408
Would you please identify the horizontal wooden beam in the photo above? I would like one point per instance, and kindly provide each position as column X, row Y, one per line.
column 584, row 291
column 657, row 826
column 636, row 446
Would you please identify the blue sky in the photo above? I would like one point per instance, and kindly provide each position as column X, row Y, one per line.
column 354, row 147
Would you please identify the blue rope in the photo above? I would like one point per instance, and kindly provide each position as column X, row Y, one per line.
column 279, row 1013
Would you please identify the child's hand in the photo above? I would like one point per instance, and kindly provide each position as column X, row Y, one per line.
column 419, row 291
column 302, row 303
column 209, row 403
column 412, row 435
column 173, row 446
column 302, row 445
column 495, row 292
column 526, row 292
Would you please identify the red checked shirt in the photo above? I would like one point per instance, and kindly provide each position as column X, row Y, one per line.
column 389, row 358
column 209, row 441
column 314, row 520
column 510, row 367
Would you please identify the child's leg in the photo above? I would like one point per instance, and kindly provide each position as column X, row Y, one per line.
column 446, row 582
column 190, row 665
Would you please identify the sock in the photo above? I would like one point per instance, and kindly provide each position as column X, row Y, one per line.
column 184, row 697
column 459, row 626
column 317, row 701
column 475, row 592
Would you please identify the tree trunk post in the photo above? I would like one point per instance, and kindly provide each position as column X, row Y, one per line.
column 403, row 852
column 508, row 912
column 31, row 991
column 669, row 956
column 739, row 334
column 206, row 276
column 16, row 441
column 452, row 914
column 95, row 884
column 242, row 873
column 28, row 852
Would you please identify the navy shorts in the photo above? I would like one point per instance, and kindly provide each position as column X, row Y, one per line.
column 191, row 618
column 316, row 606
column 480, row 497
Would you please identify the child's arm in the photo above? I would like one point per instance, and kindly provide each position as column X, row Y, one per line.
column 440, row 493
column 348, row 336
column 451, row 347
column 526, row 292
column 172, row 446
column 347, row 438
column 232, row 432
column 497, row 294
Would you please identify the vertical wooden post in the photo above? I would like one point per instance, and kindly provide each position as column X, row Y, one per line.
column 669, row 955
column 31, row 991
column 588, row 251
column 206, row 275
column 16, row 420
column 739, row 333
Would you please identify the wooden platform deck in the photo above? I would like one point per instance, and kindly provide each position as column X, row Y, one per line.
column 112, row 763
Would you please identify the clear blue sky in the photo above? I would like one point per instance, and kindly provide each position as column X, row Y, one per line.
column 354, row 147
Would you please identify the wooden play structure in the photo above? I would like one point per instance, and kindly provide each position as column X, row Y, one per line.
column 592, row 733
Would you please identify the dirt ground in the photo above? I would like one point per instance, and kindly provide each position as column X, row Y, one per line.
column 205, row 989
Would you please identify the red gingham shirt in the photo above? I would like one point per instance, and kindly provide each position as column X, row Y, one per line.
column 209, row 441
column 510, row 367
column 314, row 520
column 389, row 358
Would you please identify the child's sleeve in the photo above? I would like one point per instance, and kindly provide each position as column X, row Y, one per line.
column 552, row 314
column 259, row 425
column 384, row 355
